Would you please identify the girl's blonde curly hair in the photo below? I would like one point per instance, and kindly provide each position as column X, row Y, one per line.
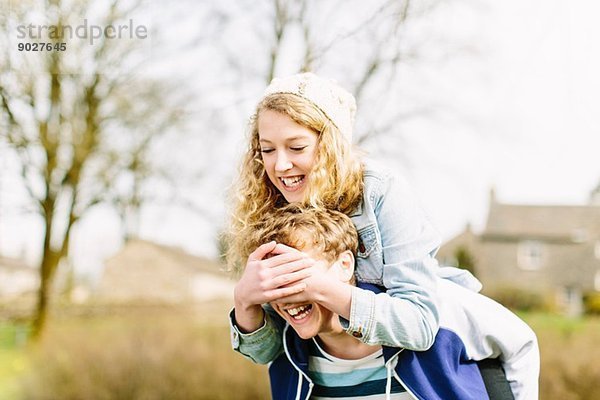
column 336, row 178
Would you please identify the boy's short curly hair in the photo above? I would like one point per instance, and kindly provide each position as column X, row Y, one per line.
column 326, row 231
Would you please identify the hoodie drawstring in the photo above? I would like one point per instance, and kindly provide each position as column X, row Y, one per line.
column 388, row 384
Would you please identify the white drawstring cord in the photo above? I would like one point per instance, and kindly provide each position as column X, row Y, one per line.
column 299, row 389
column 388, row 384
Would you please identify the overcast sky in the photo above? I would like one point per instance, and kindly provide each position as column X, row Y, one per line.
column 530, row 127
column 535, row 92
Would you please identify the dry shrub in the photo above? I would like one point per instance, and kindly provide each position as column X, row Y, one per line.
column 591, row 303
column 141, row 358
column 522, row 299
column 569, row 354
column 174, row 357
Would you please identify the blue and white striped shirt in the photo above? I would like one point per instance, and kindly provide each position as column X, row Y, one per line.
column 339, row 379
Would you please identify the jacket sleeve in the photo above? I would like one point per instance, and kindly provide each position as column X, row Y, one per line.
column 489, row 330
column 264, row 344
column 406, row 315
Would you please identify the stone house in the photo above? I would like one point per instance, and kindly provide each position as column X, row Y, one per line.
column 548, row 249
column 150, row 273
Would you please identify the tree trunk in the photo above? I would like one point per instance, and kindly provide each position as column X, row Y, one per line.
column 48, row 266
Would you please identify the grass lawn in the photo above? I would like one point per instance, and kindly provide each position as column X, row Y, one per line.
column 12, row 363
column 559, row 323
column 13, row 359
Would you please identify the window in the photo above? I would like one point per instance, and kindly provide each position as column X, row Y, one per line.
column 597, row 250
column 530, row 254
column 572, row 301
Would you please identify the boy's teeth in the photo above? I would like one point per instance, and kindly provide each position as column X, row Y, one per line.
column 298, row 312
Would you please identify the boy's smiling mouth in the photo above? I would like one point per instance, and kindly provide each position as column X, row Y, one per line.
column 300, row 312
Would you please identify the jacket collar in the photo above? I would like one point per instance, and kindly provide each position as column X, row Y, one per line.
column 357, row 211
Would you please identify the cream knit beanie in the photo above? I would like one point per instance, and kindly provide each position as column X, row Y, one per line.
column 335, row 102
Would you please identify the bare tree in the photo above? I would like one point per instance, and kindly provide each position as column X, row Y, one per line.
column 84, row 122
column 81, row 120
column 364, row 46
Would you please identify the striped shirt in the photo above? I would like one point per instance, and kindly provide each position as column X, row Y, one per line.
column 336, row 378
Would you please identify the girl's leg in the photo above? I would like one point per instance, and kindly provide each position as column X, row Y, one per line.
column 494, row 379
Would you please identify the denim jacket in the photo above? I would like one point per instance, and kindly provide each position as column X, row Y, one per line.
column 397, row 244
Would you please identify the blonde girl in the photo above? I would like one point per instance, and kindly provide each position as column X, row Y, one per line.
column 300, row 151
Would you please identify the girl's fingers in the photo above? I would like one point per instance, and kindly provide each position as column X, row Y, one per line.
column 292, row 266
column 282, row 248
column 261, row 251
column 277, row 294
column 290, row 278
column 291, row 298
column 283, row 259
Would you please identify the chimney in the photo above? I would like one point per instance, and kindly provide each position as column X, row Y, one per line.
column 493, row 199
column 595, row 196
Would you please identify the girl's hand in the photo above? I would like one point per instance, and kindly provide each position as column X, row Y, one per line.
column 317, row 282
column 328, row 286
column 272, row 271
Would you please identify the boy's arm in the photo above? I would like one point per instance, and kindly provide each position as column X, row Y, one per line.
column 490, row 330
column 264, row 344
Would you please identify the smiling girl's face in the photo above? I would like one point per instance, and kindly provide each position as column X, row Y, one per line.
column 288, row 152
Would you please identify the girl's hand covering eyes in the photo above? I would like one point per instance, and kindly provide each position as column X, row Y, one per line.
column 272, row 271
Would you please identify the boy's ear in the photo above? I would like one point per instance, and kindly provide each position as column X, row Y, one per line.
column 346, row 261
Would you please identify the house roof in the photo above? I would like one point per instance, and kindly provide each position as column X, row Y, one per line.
column 150, row 272
column 14, row 264
column 562, row 223
column 141, row 253
column 570, row 235
column 466, row 239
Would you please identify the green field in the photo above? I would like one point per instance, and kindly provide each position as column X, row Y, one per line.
column 13, row 359
column 167, row 354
